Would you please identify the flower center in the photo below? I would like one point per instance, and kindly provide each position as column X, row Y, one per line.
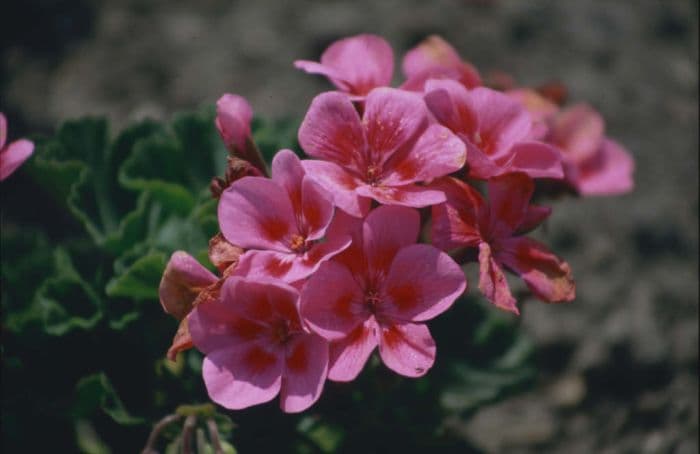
column 297, row 243
column 373, row 171
column 372, row 302
column 281, row 332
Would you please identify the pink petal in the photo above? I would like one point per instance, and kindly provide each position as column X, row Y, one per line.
column 13, row 156
column 452, row 106
column 387, row 229
column 435, row 52
column 534, row 216
column 456, row 223
column 332, row 302
column 183, row 279
column 305, row 370
column 233, row 117
column 502, row 121
column 316, row 209
column 242, row 375
column 289, row 267
column 422, row 283
column 437, row 152
column 578, row 131
column 417, row 82
column 3, row 130
column 350, row 354
column 607, row 173
column 492, row 281
column 481, row 166
column 334, row 75
column 332, row 131
column 353, row 257
column 409, row 195
column 255, row 212
column 359, row 63
column 407, row 349
column 541, row 109
column 340, row 184
column 509, row 197
column 288, row 173
column 392, row 117
column 547, row 276
column 536, row 159
column 262, row 300
column 215, row 325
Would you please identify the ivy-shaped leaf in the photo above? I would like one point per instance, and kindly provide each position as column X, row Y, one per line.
column 95, row 392
column 140, row 280
column 66, row 301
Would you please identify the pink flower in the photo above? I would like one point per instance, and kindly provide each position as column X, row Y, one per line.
column 593, row 164
column 496, row 129
column 14, row 154
column 541, row 109
column 435, row 58
column 256, row 346
column 382, row 155
column 233, row 118
column 378, row 291
column 355, row 65
column 495, row 228
column 280, row 221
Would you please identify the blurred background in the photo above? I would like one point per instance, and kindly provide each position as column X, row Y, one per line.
column 618, row 368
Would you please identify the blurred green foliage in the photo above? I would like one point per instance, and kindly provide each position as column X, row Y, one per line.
column 84, row 337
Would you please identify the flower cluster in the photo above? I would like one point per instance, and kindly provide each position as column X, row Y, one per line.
column 328, row 258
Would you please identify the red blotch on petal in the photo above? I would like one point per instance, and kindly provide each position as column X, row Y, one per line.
column 274, row 229
column 258, row 360
column 297, row 359
column 405, row 297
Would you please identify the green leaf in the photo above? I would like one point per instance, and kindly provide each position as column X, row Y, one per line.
column 66, row 301
column 89, row 442
column 95, row 392
column 140, row 280
column 79, row 168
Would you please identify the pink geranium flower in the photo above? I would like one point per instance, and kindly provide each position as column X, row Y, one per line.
column 233, row 118
column 593, row 163
column 256, row 346
column 435, row 58
column 381, row 156
column 14, row 154
column 355, row 65
column 280, row 221
column 496, row 129
column 378, row 292
column 495, row 228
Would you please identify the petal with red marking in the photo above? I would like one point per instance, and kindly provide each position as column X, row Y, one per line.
column 339, row 183
column 183, row 279
column 305, row 370
column 332, row 131
column 509, row 196
column 350, row 354
column 422, row 283
column 456, row 223
column 243, row 375
column 255, row 212
column 547, row 276
column 333, row 314
column 492, row 281
column 387, row 229
column 407, row 349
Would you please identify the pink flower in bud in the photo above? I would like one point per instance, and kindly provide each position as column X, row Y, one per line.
column 13, row 154
column 185, row 284
column 378, row 292
column 496, row 129
column 593, row 163
column 256, row 347
column 435, row 58
column 495, row 229
column 233, row 119
column 279, row 221
column 382, row 156
column 355, row 65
